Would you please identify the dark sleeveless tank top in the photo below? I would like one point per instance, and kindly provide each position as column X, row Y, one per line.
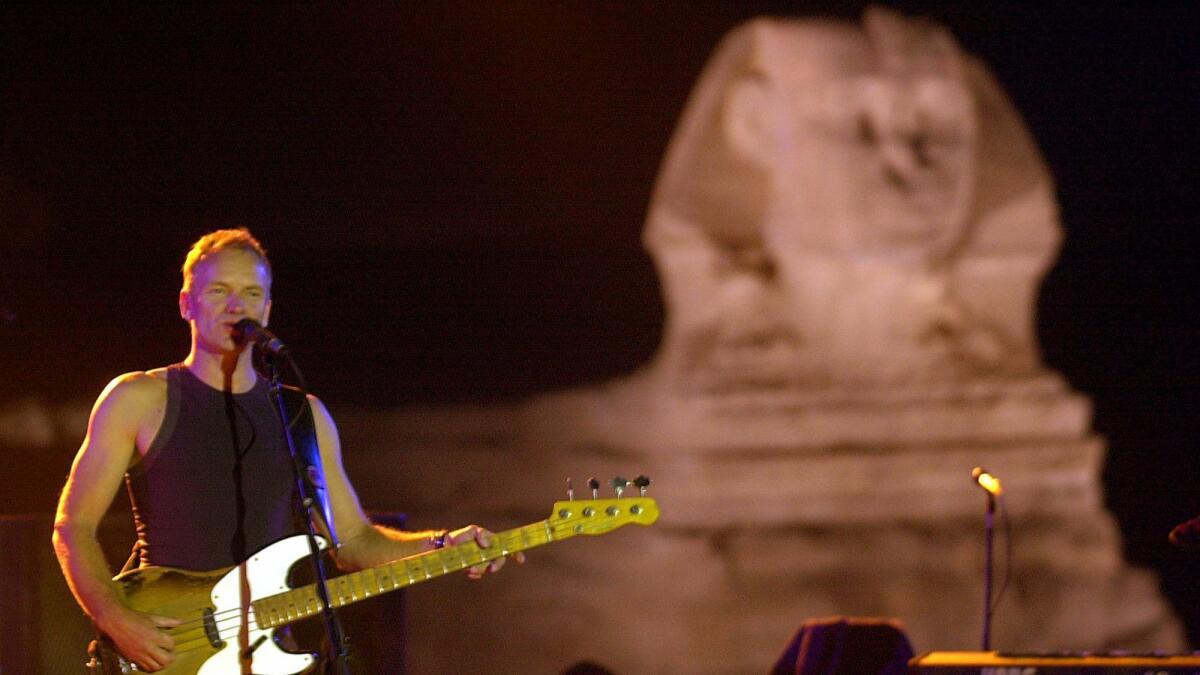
column 216, row 484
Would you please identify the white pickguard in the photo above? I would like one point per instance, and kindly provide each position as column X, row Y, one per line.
column 266, row 574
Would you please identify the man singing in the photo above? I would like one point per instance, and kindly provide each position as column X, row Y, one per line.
column 207, row 468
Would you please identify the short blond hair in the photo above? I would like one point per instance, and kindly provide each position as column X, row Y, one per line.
column 220, row 240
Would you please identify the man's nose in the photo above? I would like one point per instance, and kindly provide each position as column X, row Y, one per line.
column 235, row 303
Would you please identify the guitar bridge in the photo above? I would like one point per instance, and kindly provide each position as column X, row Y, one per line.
column 210, row 629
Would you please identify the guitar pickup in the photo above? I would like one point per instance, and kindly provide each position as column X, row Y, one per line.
column 210, row 629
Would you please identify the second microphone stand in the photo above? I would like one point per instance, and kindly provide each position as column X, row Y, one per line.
column 989, row 529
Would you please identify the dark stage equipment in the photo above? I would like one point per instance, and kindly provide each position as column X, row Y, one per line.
column 43, row 630
column 1000, row 663
column 1186, row 534
column 846, row 646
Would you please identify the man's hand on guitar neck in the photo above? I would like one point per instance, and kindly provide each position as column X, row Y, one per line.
column 140, row 638
column 483, row 538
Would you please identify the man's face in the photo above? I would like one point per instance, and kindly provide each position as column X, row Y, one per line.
column 227, row 286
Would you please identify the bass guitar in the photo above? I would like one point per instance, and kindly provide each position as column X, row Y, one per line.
column 230, row 614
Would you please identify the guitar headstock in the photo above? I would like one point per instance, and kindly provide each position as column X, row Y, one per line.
column 597, row 516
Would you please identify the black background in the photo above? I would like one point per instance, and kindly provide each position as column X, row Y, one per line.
column 453, row 194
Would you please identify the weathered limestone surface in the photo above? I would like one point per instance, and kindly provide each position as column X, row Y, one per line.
column 850, row 225
column 756, row 537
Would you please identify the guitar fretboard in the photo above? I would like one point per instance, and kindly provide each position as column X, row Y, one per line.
column 303, row 602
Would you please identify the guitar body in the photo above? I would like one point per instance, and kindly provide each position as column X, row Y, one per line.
column 216, row 630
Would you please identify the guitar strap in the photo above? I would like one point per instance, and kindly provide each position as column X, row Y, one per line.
column 308, row 451
column 308, row 454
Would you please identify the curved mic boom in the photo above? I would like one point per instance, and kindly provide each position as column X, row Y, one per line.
column 249, row 331
column 987, row 481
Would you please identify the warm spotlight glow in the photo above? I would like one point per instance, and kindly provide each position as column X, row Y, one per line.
column 986, row 481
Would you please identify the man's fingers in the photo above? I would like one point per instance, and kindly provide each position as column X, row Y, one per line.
column 470, row 533
column 163, row 656
column 483, row 538
column 163, row 659
column 151, row 662
column 165, row 621
column 162, row 638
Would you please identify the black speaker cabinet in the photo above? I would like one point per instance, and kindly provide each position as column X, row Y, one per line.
column 42, row 630
column 846, row 646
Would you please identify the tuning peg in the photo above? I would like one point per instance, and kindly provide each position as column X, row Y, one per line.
column 595, row 486
column 642, row 482
column 570, row 490
column 618, row 485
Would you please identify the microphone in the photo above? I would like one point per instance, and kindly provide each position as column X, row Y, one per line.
column 1186, row 534
column 252, row 332
column 987, row 481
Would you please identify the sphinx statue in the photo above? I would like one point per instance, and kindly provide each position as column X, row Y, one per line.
column 850, row 226
column 849, row 206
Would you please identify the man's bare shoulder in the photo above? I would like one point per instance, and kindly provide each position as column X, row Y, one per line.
column 138, row 390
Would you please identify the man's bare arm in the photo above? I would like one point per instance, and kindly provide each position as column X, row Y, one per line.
column 96, row 474
column 366, row 545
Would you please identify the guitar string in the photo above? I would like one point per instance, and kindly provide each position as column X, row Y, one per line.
column 510, row 536
column 223, row 623
column 222, row 620
column 332, row 581
column 226, row 625
column 506, row 540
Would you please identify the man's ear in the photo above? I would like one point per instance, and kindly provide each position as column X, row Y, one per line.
column 266, row 313
column 748, row 122
column 184, row 310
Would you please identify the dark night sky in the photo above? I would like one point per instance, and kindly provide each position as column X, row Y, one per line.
column 453, row 195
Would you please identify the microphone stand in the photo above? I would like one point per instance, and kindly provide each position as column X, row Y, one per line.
column 988, row 530
column 333, row 628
